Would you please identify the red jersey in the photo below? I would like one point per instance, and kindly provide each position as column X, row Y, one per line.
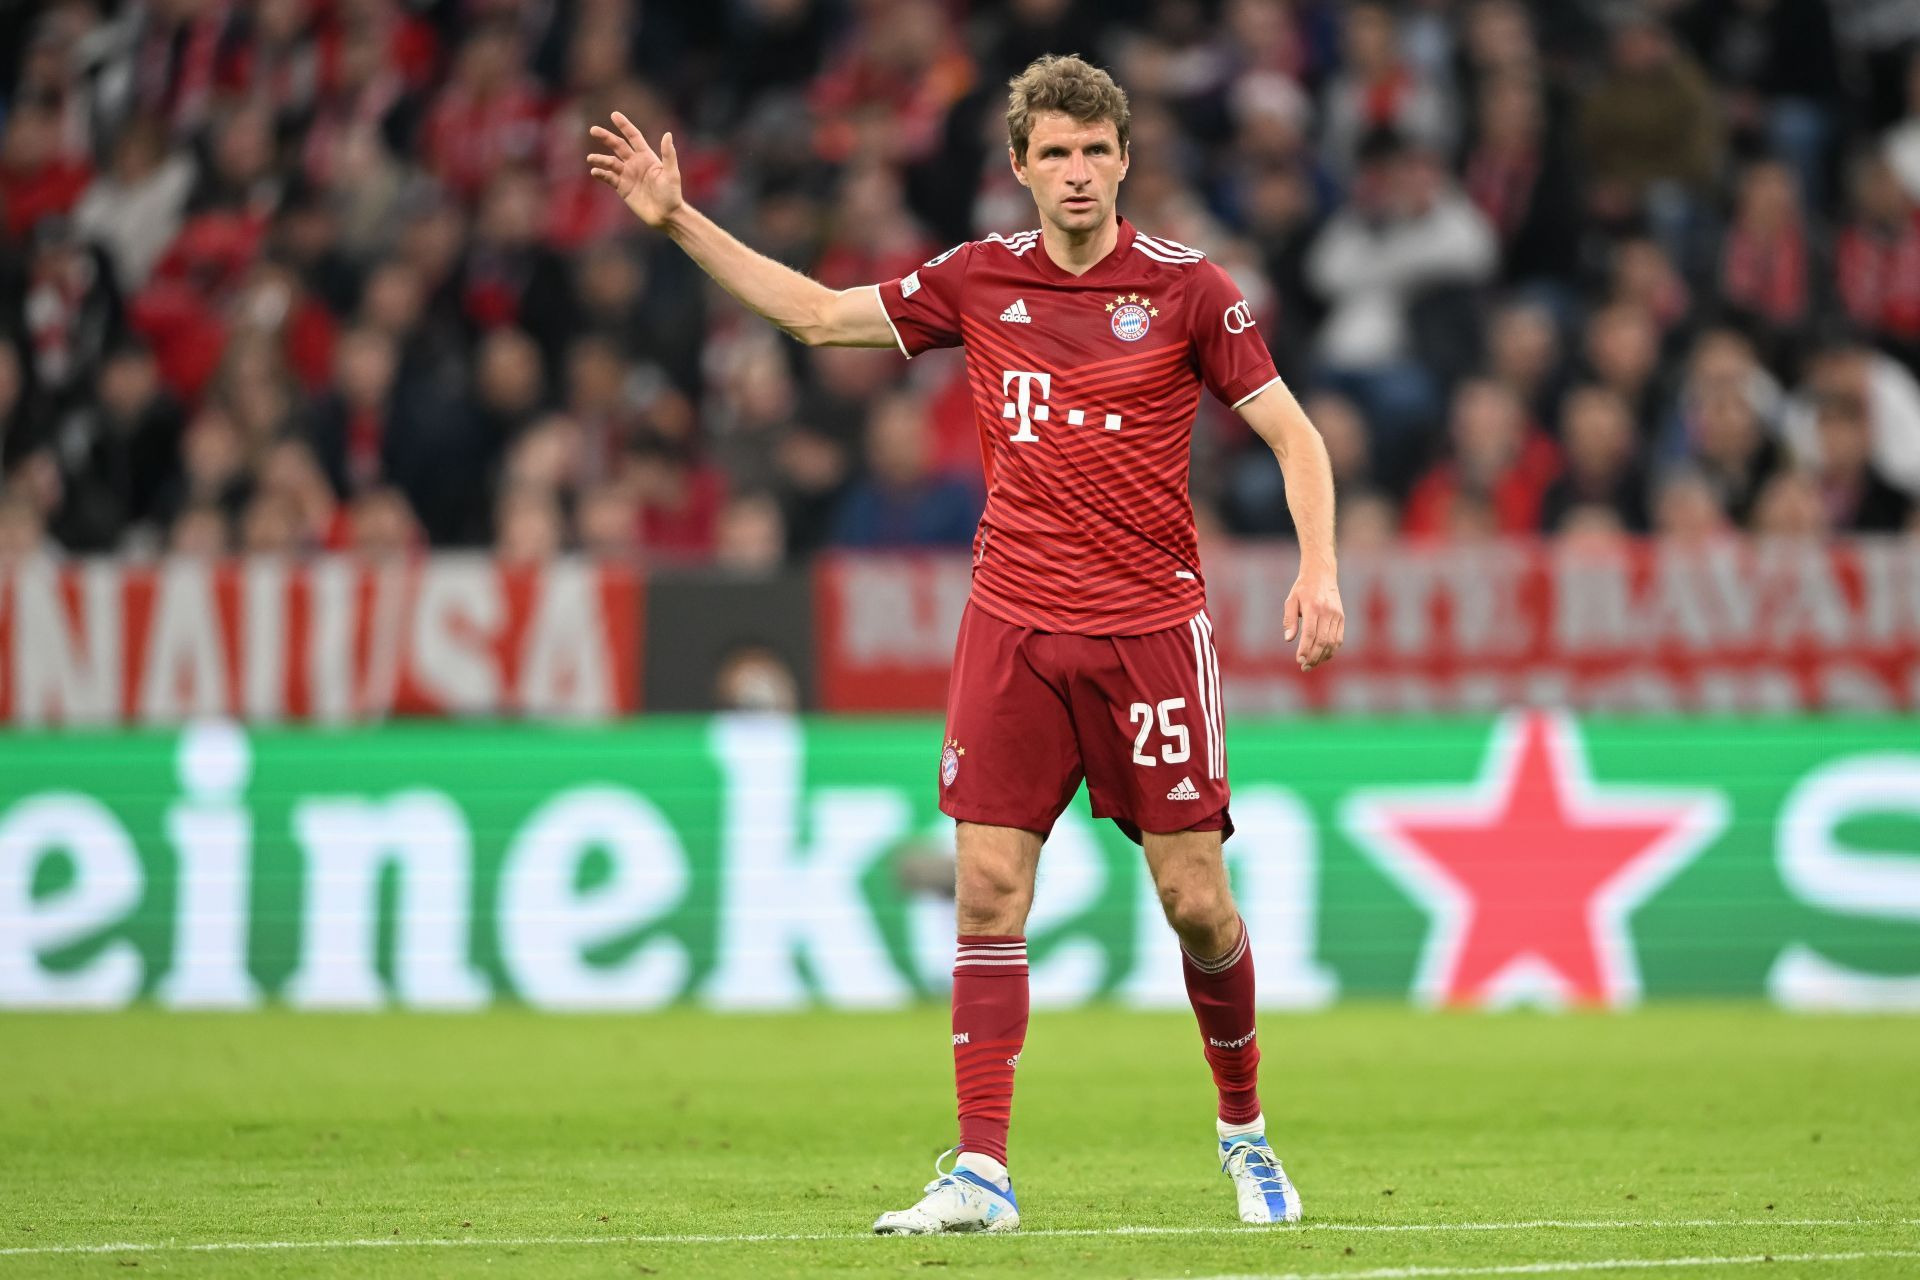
column 1084, row 391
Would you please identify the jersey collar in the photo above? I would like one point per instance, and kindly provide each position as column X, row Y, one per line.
column 1100, row 270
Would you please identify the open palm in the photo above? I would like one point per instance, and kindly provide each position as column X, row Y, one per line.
column 649, row 183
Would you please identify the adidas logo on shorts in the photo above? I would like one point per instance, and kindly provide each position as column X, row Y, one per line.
column 1184, row 790
column 1017, row 313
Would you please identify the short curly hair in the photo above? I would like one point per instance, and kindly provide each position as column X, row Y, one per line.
column 1066, row 83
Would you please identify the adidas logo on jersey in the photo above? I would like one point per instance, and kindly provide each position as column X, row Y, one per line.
column 1017, row 313
column 1184, row 790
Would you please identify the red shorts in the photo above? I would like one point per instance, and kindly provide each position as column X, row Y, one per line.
column 1030, row 713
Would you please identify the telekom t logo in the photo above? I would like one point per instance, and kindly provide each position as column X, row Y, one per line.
column 1029, row 408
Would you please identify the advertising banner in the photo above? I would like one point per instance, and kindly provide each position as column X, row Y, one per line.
column 758, row 862
column 1733, row 626
column 333, row 639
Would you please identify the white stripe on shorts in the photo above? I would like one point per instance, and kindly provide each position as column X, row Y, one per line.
column 1200, row 681
column 1216, row 719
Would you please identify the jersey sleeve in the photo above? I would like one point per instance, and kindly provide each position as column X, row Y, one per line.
column 1233, row 357
column 923, row 306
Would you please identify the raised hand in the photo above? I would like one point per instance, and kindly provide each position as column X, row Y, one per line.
column 649, row 183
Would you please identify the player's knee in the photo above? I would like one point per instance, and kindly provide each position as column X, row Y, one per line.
column 1195, row 908
column 989, row 894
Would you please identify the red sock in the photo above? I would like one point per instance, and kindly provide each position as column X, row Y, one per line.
column 989, row 1028
column 1221, row 991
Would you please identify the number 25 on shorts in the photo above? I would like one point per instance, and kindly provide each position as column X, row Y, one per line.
column 1177, row 748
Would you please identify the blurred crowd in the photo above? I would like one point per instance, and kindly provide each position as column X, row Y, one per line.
column 295, row 275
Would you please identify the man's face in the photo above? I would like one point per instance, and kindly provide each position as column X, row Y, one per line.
column 1846, row 442
column 1073, row 169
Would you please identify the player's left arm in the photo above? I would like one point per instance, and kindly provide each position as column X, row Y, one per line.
column 1238, row 369
column 1314, row 602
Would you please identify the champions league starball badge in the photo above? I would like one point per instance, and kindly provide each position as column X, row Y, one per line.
column 1131, row 315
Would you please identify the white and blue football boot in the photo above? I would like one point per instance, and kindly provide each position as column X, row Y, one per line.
column 1258, row 1180
column 962, row 1200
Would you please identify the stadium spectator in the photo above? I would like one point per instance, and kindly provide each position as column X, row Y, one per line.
column 213, row 473
column 487, row 118
column 1520, row 176
column 1497, row 475
column 887, row 93
column 1687, row 510
column 1602, row 470
column 1855, row 497
column 1772, row 268
column 527, row 526
column 1790, row 506
column 1650, row 137
column 1622, row 353
column 135, row 208
column 1732, row 451
column 681, row 499
column 68, row 312
column 751, row 537
column 200, row 532
column 1892, row 396
column 606, row 521
column 753, row 677
column 292, row 475
column 1720, row 359
column 1644, row 276
column 270, row 525
column 1405, row 234
column 39, row 175
column 122, row 452
column 380, row 525
column 1380, row 88
column 1523, row 355
column 1878, row 259
column 898, row 502
column 813, row 475
column 350, row 427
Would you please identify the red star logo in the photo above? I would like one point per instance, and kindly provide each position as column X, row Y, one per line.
column 1531, row 873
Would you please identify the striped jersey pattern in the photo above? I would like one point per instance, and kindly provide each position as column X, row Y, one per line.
column 1085, row 410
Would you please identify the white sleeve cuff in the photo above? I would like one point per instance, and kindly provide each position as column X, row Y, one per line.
column 1243, row 399
column 890, row 325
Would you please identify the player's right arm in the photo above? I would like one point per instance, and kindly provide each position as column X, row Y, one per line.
column 649, row 183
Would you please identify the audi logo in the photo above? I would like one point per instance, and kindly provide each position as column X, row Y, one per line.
column 1239, row 317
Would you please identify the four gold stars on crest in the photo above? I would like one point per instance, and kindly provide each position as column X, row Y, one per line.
column 1121, row 298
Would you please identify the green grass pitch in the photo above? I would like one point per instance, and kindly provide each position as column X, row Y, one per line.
column 1702, row 1138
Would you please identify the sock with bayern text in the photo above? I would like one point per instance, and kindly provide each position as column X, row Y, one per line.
column 989, row 1029
column 1221, row 991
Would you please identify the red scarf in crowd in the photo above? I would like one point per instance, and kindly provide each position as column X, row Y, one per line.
column 1501, row 183
column 175, row 68
column 1880, row 278
column 1767, row 275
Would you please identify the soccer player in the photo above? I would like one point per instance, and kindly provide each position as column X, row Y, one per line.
column 1085, row 649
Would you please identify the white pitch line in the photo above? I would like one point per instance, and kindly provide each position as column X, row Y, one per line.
column 525, row 1242
column 1561, row 1268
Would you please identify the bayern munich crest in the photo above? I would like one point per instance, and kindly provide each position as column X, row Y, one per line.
column 950, row 763
column 1131, row 316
